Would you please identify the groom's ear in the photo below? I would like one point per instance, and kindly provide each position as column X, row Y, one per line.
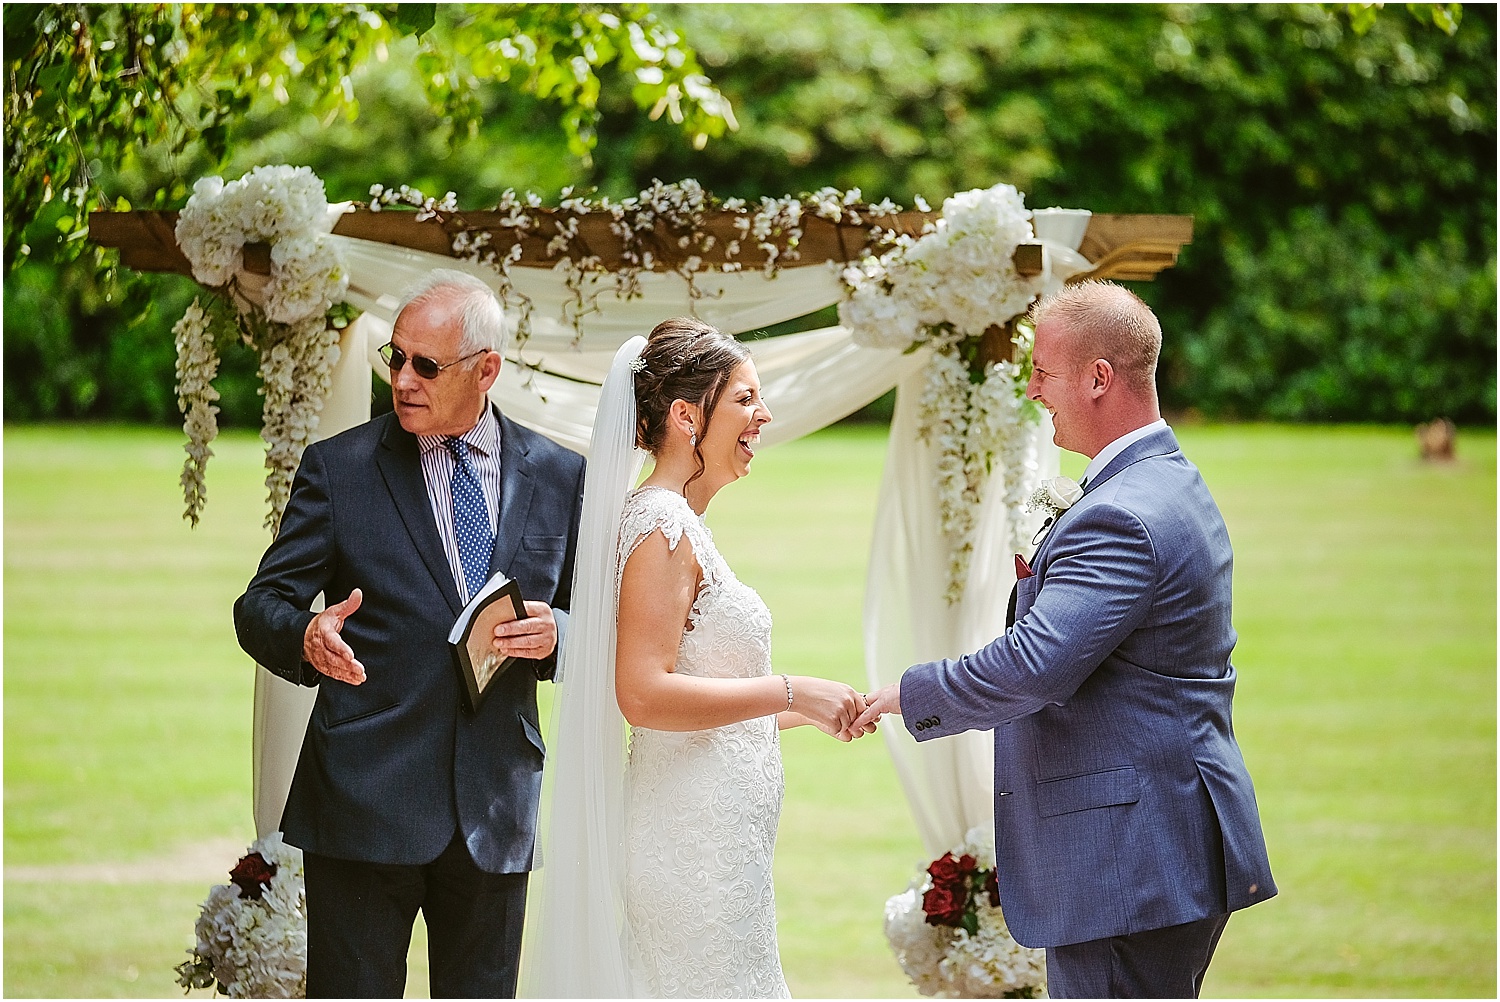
column 1102, row 377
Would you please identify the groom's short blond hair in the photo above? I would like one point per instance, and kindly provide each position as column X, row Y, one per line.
column 1107, row 321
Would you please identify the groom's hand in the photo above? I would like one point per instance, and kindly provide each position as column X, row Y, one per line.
column 878, row 704
column 325, row 650
column 532, row 637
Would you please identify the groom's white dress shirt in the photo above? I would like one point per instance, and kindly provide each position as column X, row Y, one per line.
column 1109, row 452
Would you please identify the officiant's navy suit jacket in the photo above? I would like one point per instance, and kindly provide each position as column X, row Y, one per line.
column 1122, row 803
column 389, row 768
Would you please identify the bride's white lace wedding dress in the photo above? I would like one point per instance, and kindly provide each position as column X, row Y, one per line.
column 702, row 806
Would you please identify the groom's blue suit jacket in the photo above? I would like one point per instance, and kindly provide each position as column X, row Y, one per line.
column 391, row 767
column 1122, row 802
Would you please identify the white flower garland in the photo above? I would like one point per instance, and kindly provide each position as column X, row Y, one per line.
column 254, row 947
column 287, row 208
column 197, row 364
column 945, row 289
column 296, row 373
column 948, row 962
column 678, row 213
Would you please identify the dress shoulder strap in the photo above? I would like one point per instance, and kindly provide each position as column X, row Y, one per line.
column 655, row 509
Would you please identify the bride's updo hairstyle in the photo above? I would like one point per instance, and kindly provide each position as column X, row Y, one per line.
column 684, row 359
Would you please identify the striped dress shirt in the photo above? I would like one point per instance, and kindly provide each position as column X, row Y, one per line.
column 437, row 471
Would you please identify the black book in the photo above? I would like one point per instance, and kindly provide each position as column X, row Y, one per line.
column 473, row 635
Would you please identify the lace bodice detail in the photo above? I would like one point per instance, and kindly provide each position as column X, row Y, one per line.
column 729, row 627
column 703, row 806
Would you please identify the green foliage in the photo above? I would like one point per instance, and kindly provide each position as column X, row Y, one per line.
column 1376, row 337
column 121, row 105
column 74, row 348
column 1263, row 121
column 1254, row 119
column 90, row 86
column 1444, row 16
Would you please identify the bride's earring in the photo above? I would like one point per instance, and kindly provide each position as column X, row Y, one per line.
column 692, row 436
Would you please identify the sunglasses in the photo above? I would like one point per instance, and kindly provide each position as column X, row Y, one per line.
column 421, row 364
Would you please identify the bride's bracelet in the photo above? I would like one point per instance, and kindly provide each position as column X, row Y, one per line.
column 788, row 682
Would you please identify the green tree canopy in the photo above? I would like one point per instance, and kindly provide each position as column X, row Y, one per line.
column 91, row 87
column 1341, row 170
column 1342, row 180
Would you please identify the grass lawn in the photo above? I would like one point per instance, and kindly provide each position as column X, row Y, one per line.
column 1365, row 605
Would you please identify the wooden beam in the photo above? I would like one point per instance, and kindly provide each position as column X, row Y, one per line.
column 1133, row 248
column 1129, row 247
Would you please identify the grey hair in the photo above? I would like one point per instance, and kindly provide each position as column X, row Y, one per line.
column 482, row 320
column 1107, row 321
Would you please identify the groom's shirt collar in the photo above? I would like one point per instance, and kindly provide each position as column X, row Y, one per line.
column 1109, row 452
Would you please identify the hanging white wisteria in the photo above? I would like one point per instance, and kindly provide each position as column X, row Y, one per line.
column 286, row 323
column 946, row 289
column 197, row 364
column 678, row 213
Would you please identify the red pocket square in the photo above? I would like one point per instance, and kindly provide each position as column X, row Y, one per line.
column 1023, row 569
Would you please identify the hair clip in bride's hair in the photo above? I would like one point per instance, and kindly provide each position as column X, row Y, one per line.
column 638, row 364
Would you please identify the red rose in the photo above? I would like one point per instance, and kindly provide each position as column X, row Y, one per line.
column 968, row 864
column 992, row 886
column 252, row 875
column 945, row 870
column 944, row 905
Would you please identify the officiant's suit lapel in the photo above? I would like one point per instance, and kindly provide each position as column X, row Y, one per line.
column 401, row 466
column 516, row 486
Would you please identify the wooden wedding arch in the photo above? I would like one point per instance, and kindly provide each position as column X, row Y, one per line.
column 1124, row 247
column 944, row 780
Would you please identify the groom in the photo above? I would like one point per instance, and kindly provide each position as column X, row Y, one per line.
column 403, row 800
column 1126, row 828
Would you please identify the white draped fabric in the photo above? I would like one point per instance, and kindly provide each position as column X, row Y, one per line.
column 810, row 379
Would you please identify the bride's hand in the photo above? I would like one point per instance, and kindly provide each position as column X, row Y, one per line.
column 831, row 706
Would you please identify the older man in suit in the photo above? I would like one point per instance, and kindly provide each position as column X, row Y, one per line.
column 403, row 798
column 1126, row 827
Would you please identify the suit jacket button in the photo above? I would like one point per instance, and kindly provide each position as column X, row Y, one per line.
column 1004, row 793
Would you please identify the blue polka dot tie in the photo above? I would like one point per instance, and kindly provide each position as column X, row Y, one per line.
column 471, row 519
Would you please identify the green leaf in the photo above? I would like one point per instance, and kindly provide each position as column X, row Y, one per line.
column 413, row 18
column 52, row 78
column 216, row 140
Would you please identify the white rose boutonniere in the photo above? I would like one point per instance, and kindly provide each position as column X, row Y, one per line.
column 1054, row 496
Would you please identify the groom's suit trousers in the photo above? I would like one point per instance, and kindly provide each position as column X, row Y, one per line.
column 1158, row 964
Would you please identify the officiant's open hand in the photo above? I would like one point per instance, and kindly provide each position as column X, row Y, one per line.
column 532, row 637
column 325, row 650
column 877, row 704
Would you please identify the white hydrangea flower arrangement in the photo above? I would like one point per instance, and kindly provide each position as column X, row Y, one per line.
column 949, row 934
column 945, row 289
column 287, row 208
column 251, row 934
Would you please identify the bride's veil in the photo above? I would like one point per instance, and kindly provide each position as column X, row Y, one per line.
column 575, row 945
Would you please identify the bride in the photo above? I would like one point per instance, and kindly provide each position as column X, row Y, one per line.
column 657, row 862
